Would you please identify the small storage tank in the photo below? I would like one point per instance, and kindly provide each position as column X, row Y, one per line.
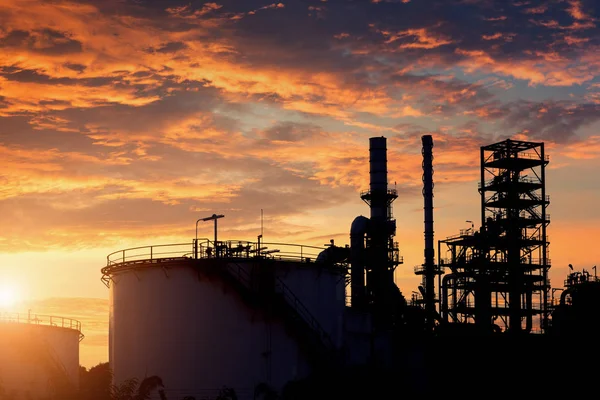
column 39, row 355
column 236, row 317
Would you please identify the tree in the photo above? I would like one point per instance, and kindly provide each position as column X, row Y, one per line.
column 95, row 383
column 132, row 390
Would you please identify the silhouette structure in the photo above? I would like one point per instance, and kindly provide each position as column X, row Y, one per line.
column 275, row 316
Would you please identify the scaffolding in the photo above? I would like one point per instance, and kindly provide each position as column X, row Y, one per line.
column 499, row 274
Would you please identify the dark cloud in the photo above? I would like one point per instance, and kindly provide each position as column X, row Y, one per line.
column 171, row 47
column 45, row 41
column 553, row 121
column 291, row 131
column 35, row 76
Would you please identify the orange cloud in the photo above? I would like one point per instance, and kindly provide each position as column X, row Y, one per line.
column 586, row 149
column 558, row 73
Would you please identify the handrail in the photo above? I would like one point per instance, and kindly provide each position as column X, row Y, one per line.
column 305, row 313
column 243, row 276
column 36, row 319
column 391, row 192
column 205, row 249
column 498, row 180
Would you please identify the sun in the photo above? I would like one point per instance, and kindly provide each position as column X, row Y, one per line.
column 9, row 296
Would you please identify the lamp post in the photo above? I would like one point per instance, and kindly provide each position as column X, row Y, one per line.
column 472, row 225
column 212, row 217
column 196, row 239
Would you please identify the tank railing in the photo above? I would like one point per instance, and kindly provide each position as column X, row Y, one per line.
column 153, row 252
column 205, row 248
column 243, row 276
column 36, row 319
column 246, row 249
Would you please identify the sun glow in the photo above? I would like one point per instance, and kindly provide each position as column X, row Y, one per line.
column 9, row 296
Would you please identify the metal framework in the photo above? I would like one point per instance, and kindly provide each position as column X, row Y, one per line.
column 499, row 274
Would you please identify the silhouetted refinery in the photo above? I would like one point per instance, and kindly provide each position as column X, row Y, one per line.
column 248, row 314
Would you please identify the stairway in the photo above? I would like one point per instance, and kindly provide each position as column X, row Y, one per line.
column 270, row 294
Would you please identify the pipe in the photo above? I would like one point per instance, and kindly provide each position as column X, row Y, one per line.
column 357, row 261
column 428, row 216
column 529, row 308
column 563, row 295
column 378, row 177
column 444, row 296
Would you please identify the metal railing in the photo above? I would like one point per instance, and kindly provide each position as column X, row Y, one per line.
column 533, row 156
column 501, row 180
column 368, row 192
column 421, row 269
column 205, row 248
column 36, row 319
column 154, row 252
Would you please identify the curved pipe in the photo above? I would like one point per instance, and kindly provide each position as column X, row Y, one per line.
column 444, row 296
column 564, row 294
column 358, row 231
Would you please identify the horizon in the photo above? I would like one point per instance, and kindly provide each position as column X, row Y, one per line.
column 125, row 122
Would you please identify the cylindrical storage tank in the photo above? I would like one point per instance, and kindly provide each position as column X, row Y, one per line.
column 203, row 324
column 39, row 355
column 321, row 289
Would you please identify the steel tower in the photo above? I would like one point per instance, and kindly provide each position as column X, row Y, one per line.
column 514, row 218
column 499, row 274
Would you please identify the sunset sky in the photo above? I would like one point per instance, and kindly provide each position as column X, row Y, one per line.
column 124, row 121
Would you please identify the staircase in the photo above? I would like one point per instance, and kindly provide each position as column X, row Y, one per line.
column 272, row 295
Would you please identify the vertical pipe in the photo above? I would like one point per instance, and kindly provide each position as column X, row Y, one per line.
column 378, row 176
column 357, row 261
column 482, row 166
column 442, row 298
column 379, row 275
column 544, row 241
column 428, row 216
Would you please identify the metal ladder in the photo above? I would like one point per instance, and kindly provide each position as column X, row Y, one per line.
column 291, row 307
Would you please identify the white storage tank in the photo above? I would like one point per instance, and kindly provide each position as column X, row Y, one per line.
column 39, row 355
column 241, row 316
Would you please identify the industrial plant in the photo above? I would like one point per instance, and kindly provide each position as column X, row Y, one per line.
column 238, row 313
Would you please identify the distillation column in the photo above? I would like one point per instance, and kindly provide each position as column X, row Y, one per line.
column 380, row 248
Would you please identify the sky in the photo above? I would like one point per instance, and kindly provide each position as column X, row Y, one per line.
column 124, row 122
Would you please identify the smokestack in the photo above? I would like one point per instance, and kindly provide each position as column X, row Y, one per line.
column 379, row 248
column 378, row 176
column 428, row 214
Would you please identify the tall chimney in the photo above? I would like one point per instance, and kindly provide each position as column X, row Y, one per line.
column 378, row 176
column 429, row 265
column 379, row 250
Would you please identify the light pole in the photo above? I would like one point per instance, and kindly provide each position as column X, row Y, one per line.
column 196, row 239
column 472, row 225
column 212, row 217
